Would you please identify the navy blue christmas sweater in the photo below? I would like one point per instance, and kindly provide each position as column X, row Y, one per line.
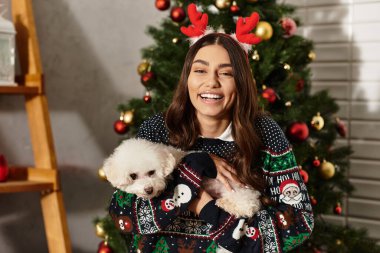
column 163, row 223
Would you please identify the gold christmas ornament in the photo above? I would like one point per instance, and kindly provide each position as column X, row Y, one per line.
column 288, row 103
column 312, row 55
column 102, row 175
column 99, row 230
column 255, row 56
column 338, row 242
column 317, row 122
column 128, row 117
column 264, row 30
column 327, row 170
column 223, row 4
column 143, row 67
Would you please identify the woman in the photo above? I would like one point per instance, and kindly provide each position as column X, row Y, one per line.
column 215, row 110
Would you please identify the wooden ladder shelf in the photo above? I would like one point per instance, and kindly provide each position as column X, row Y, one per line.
column 43, row 177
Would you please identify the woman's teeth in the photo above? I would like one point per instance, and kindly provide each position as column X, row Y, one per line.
column 211, row 96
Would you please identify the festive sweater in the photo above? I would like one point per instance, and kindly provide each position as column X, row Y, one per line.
column 163, row 223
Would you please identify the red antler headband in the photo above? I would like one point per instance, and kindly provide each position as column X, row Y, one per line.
column 244, row 26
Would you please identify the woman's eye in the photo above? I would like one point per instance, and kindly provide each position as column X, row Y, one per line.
column 225, row 74
column 199, row 71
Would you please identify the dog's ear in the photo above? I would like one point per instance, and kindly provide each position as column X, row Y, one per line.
column 173, row 157
column 112, row 173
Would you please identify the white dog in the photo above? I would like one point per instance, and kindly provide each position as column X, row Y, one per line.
column 143, row 168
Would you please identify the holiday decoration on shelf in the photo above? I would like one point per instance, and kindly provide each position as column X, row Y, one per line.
column 264, row 30
column 162, row 5
column 4, row 171
column 234, row 8
column 317, row 122
column 341, row 128
column 177, row 14
column 147, row 98
column 223, row 4
column 298, row 132
column 102, row 175
column 338, row 209
column 269, row 94
column 327, row 170
column 289, row 26
column 143, row 67
column 7, row 51
column 104, row 247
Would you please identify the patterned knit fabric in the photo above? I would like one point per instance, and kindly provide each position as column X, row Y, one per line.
column 163, row 223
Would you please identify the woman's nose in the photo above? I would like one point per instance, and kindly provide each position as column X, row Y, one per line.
column 213, row 80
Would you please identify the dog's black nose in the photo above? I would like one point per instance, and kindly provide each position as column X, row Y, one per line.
column 148, row 190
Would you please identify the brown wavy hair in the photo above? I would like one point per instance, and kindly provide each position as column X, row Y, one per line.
column 183, row 125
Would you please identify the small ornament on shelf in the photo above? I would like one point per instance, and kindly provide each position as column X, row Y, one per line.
column 317, row 122
column 162, row 5
column 264, row 30
column 7, row 52
column 338, row 209
column 234, row 8
column 177, row 14
column 327, row 170
column 289, row 26
column 223, row 4
column 147, row 97
column 341, row 128
column 4, row 170
column 298, row 131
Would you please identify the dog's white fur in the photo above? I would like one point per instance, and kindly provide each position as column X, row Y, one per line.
column 143, row 168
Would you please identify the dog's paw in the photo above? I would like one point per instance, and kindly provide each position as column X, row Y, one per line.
column 241, row 203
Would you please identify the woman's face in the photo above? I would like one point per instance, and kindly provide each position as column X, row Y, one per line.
column 211, row 84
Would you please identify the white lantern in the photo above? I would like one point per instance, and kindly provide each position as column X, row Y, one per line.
column 7, row 52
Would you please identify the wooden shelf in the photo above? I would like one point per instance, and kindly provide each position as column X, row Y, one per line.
column 25, row 186
column 19, row 90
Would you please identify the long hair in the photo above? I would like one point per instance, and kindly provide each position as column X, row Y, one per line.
column 184, row 128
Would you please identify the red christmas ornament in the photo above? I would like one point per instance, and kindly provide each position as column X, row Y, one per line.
column 147, row 98
column 289, row 26
column 162, row 5
column 234, row 8
column 298, row 132
column 270, row 95
column 316, row 162
column 341, row 128
column 104, row 248
column 304, row 175
column 300, row 85
column 313, row 200
column 177, row 14
column 120, row 127
column 4, row 171
column 338, row 209
column 147, row 78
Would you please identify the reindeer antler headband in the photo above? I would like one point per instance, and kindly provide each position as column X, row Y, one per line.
column 244, row 26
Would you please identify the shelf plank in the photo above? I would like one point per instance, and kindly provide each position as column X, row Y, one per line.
column 19, row 90
column 24, row 186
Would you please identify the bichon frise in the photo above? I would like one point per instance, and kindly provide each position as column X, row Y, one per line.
column 143, row 168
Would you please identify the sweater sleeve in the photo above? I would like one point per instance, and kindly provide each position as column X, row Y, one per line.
column 277, row 228
column 133, row 214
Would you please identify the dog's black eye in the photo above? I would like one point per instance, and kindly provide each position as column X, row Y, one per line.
column 151, row 172
column 133, row 176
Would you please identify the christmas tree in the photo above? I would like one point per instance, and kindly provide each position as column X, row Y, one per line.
column 280, row 67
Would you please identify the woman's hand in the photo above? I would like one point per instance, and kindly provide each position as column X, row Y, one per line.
column 197, row 204
column 225, row 172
